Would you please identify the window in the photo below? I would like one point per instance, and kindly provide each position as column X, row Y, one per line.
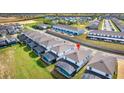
column 104, row 35
column 115, row 36
column 107, row 35
column 94, row 33
column 107, row 75
column 90, row 33
column 90, row 68
column 112, row 36
column 98, row 34
column 119, row 36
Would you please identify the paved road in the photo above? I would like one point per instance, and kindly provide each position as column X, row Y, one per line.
column 119, row 57
column 95, row 50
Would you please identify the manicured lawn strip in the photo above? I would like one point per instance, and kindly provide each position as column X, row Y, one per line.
column 114, row 26
column 100, row 25
column 27, row 67
column 100, row 43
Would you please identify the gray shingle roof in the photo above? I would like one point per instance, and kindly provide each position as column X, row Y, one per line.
column 93, row 24
column 37, row 38
column 42, row 25
column 32, row 44
column 67, row 67
column 46, row 38
column 119, row 24
column 108, row 33
column 39, row 48
column 103, row 63
column 79, row 55
column 52, row 42
column 90, row 76
column 62, row 48
column 31, row 33
column 10, row 29
column 3, row 43
column 50, row 56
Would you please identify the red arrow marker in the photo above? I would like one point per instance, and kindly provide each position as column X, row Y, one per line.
column 78, row 46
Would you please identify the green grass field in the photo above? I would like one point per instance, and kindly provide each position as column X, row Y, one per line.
column 80, row 25
column 114, row 26
column 21, row 63
column 100, row 25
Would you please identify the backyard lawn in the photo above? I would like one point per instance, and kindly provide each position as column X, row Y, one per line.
column 19, row 62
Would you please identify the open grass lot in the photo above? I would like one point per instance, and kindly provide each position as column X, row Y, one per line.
column 100, row 43
column 19, row 62
column 80, row 25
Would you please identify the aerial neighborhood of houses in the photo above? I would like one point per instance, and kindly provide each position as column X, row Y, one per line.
column 55, row 40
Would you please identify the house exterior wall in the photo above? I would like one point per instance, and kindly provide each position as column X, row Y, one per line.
column 79, row 64
column 64, row 30
column 99, row 72
column 62, row 53
column 63, row 72
column 107, row 38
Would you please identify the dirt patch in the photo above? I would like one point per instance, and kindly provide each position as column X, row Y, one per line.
column 21, row 22
column 8, row 20
column 6, row 66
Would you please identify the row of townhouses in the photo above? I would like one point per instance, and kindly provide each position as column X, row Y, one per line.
column 68, row 60
column 109, row 36
column 68, row 29
column 10, row 29
column 7, row 41
column 119, row 24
